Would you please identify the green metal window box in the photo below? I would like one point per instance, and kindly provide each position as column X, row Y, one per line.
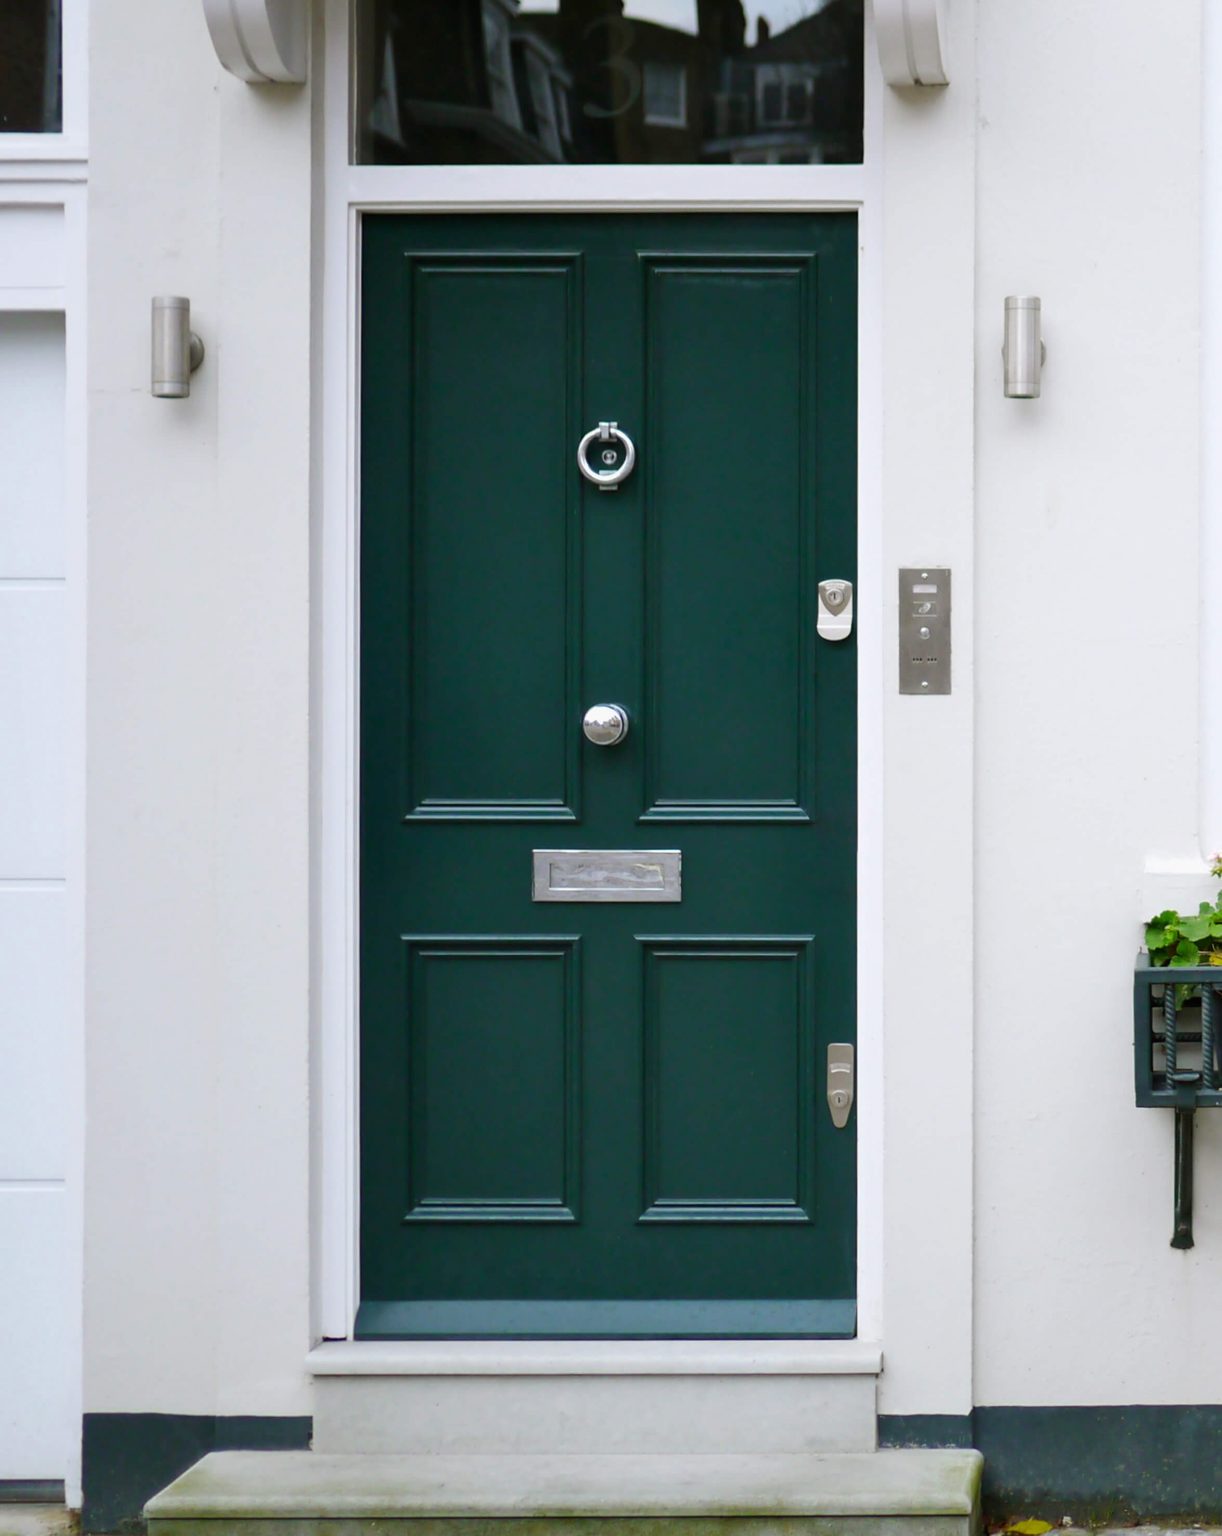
column 1194, row 1080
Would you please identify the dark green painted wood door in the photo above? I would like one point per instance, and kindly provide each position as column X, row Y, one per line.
column 606, row 1118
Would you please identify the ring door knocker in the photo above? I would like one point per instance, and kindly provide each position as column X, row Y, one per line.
column 606, row 432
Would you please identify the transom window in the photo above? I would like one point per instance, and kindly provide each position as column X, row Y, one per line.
column 444, row 82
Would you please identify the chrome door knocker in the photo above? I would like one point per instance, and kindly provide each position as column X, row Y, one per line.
column 606, row 433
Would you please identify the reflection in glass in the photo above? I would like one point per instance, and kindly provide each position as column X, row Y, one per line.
column 30, row 92
column 493, row 82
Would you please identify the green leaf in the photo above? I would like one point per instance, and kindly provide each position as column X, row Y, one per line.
column 1195, row 928
column 1206, row 908
column 1186, row 953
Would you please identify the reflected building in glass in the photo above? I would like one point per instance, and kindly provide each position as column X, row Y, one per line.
column 444, row 82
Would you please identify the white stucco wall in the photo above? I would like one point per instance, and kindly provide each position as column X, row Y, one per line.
column 1027, row 1204
column 928, row 358
column 196, row 1248
column 1086, row 700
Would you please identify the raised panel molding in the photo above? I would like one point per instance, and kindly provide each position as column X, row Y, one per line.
column 493, row 1066
column 260, row 41
column 493, row 681
column 761, row 1110
column 729, row 542
column 910, row 36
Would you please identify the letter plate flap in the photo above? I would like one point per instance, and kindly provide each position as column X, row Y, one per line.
column 607, row 874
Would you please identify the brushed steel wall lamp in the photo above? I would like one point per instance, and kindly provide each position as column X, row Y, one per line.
column 1023, row 351
column 177, row 350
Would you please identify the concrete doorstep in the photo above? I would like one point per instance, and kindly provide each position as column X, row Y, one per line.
column 883, row 1493
column 22, row 1519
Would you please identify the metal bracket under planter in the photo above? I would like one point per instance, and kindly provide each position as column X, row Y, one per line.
column 1176, row 1060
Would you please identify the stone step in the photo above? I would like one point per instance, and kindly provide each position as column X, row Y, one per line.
column 307, row 1493
column 594, row 1397
column 20, row 1519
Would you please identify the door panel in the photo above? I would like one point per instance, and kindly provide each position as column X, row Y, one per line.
column 728, row 1119
column 599, row 1117
column 726, row 497
column 492, row 1029
column 492, row 675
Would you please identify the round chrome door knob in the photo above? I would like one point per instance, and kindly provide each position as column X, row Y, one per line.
column 605, row 724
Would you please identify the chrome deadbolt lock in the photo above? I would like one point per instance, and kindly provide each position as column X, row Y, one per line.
column 840, row 1083
column 605, row 724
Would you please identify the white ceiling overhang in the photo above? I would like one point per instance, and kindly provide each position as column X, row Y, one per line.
column 264, row 41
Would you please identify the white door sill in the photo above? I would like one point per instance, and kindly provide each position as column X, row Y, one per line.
column 596, row 1357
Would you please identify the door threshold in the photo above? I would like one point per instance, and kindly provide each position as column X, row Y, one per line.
column 606, row 1319
column 595, row 1357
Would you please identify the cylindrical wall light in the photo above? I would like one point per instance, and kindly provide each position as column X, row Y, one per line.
column 1023, row 349
column 177, row 350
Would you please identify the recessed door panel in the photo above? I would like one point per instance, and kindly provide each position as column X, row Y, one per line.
column 729, row 665
column 729, row 1121
column 600, row 972
column 492, row 1040
column 492, row 638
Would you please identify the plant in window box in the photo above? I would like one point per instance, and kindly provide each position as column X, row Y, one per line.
column 1182, row 941
column 1175, row 1035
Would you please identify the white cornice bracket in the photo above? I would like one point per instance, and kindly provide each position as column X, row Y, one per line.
column 911, row 37
column 260, row 41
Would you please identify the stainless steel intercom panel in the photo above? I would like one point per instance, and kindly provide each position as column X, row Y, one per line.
column 925, row 629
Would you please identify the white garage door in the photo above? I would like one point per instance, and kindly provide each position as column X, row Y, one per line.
column 34, row 1078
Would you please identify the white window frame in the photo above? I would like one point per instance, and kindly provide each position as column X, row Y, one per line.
column 654, row 119
column 50, row 170
column 68, row 146
column 783, row 75
column 350, row 192
column 541, row 83
column 499, row 62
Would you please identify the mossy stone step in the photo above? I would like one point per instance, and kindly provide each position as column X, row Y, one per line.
column 302, row 1493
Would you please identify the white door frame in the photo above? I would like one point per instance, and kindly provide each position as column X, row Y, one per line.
column 347, row 192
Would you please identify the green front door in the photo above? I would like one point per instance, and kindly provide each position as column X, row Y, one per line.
column 591, row 1116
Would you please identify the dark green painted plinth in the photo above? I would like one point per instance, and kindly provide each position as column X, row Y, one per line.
column 127, row 1457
